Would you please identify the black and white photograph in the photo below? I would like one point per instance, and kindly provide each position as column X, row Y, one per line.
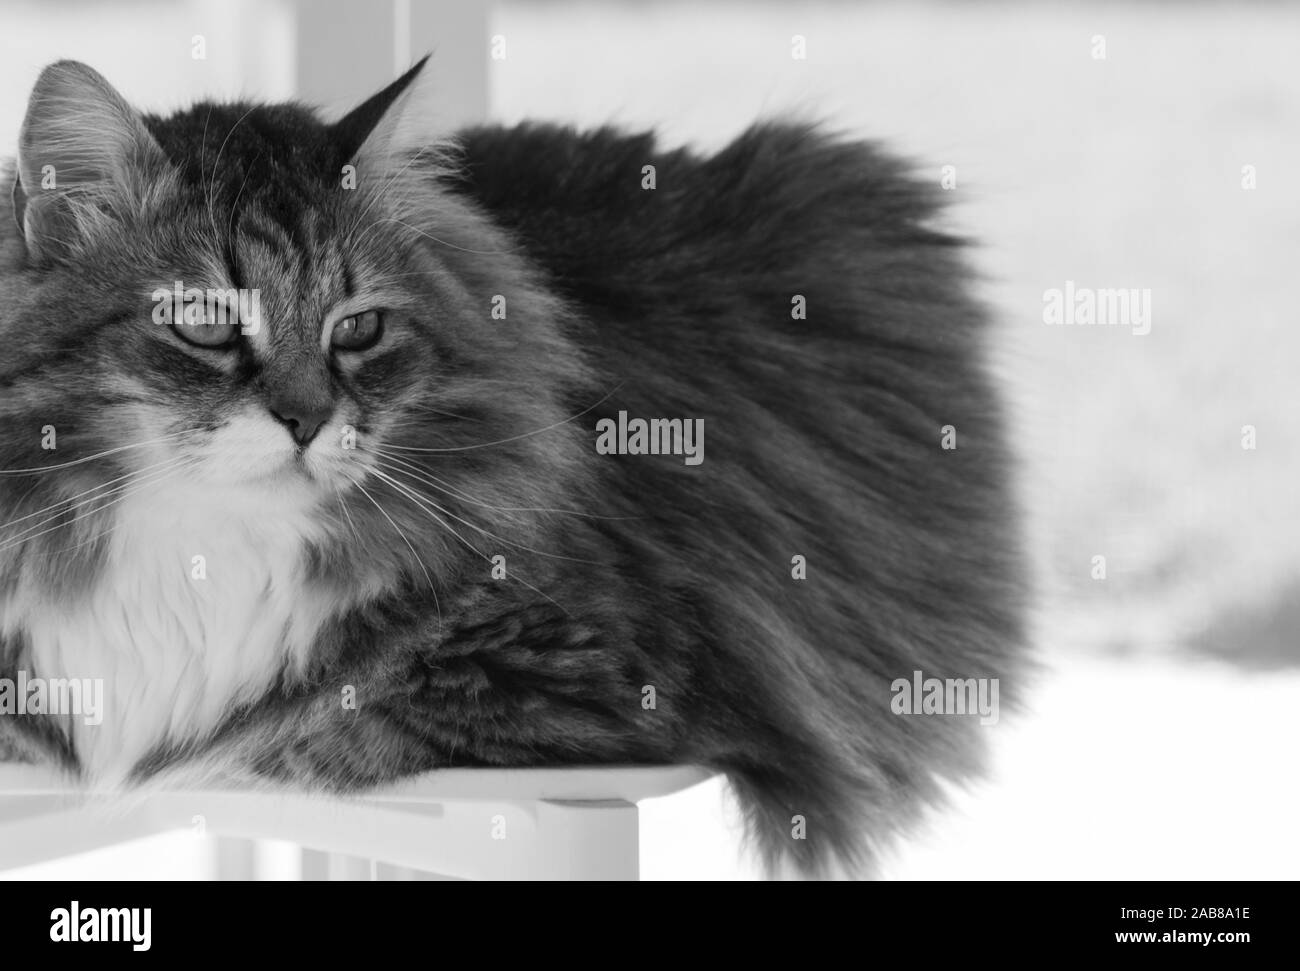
column 661, row 440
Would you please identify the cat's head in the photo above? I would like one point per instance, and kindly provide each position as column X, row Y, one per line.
column 243, row 298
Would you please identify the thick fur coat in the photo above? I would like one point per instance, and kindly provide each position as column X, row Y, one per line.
column 450, row 553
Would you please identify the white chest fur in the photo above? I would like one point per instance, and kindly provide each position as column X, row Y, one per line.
column 201, row 606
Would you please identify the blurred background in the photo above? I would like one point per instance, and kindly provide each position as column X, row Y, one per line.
column 1160, row 741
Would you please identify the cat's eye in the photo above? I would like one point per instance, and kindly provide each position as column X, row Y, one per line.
column 205, row 327
column 358, row 332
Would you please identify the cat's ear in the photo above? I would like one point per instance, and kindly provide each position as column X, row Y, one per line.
column 81, row 147
column 388, row 126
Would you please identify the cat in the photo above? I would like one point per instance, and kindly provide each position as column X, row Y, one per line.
column 366, row 531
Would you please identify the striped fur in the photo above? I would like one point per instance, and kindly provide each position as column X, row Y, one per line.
column 627, row 578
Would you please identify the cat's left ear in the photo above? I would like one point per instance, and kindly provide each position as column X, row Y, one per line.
column 379, row 134
column 83, row 156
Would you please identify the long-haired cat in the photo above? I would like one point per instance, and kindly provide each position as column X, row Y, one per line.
column 371, row 466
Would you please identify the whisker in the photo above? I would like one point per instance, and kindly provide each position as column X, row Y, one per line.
column 485, row 532
column 73, row 508
column 423, row 568
column 443, row 242
column 343, row 507
column 444, row 414
column 515, row 438
column 55, row 505
column 212, row 180
column 383, row 191
column 122, row 493
column 92, row 458
column 441, row 485
column 230, row 222
column 203, row 146
column 113, row 529
column 445, row 511
column 414, row 497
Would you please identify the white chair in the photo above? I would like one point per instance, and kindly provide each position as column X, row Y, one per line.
column 570, row 823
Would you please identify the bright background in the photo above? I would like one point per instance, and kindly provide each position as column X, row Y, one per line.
column 1160, row 741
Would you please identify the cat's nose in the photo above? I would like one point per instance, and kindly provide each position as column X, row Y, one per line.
column 302, row 420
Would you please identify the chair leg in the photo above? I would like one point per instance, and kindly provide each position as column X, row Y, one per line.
column 586, row 840
column 236, row 859
column 315, row 865
column 344, row 867
column 541, row 840
column 320, row 865
column 387, row 871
